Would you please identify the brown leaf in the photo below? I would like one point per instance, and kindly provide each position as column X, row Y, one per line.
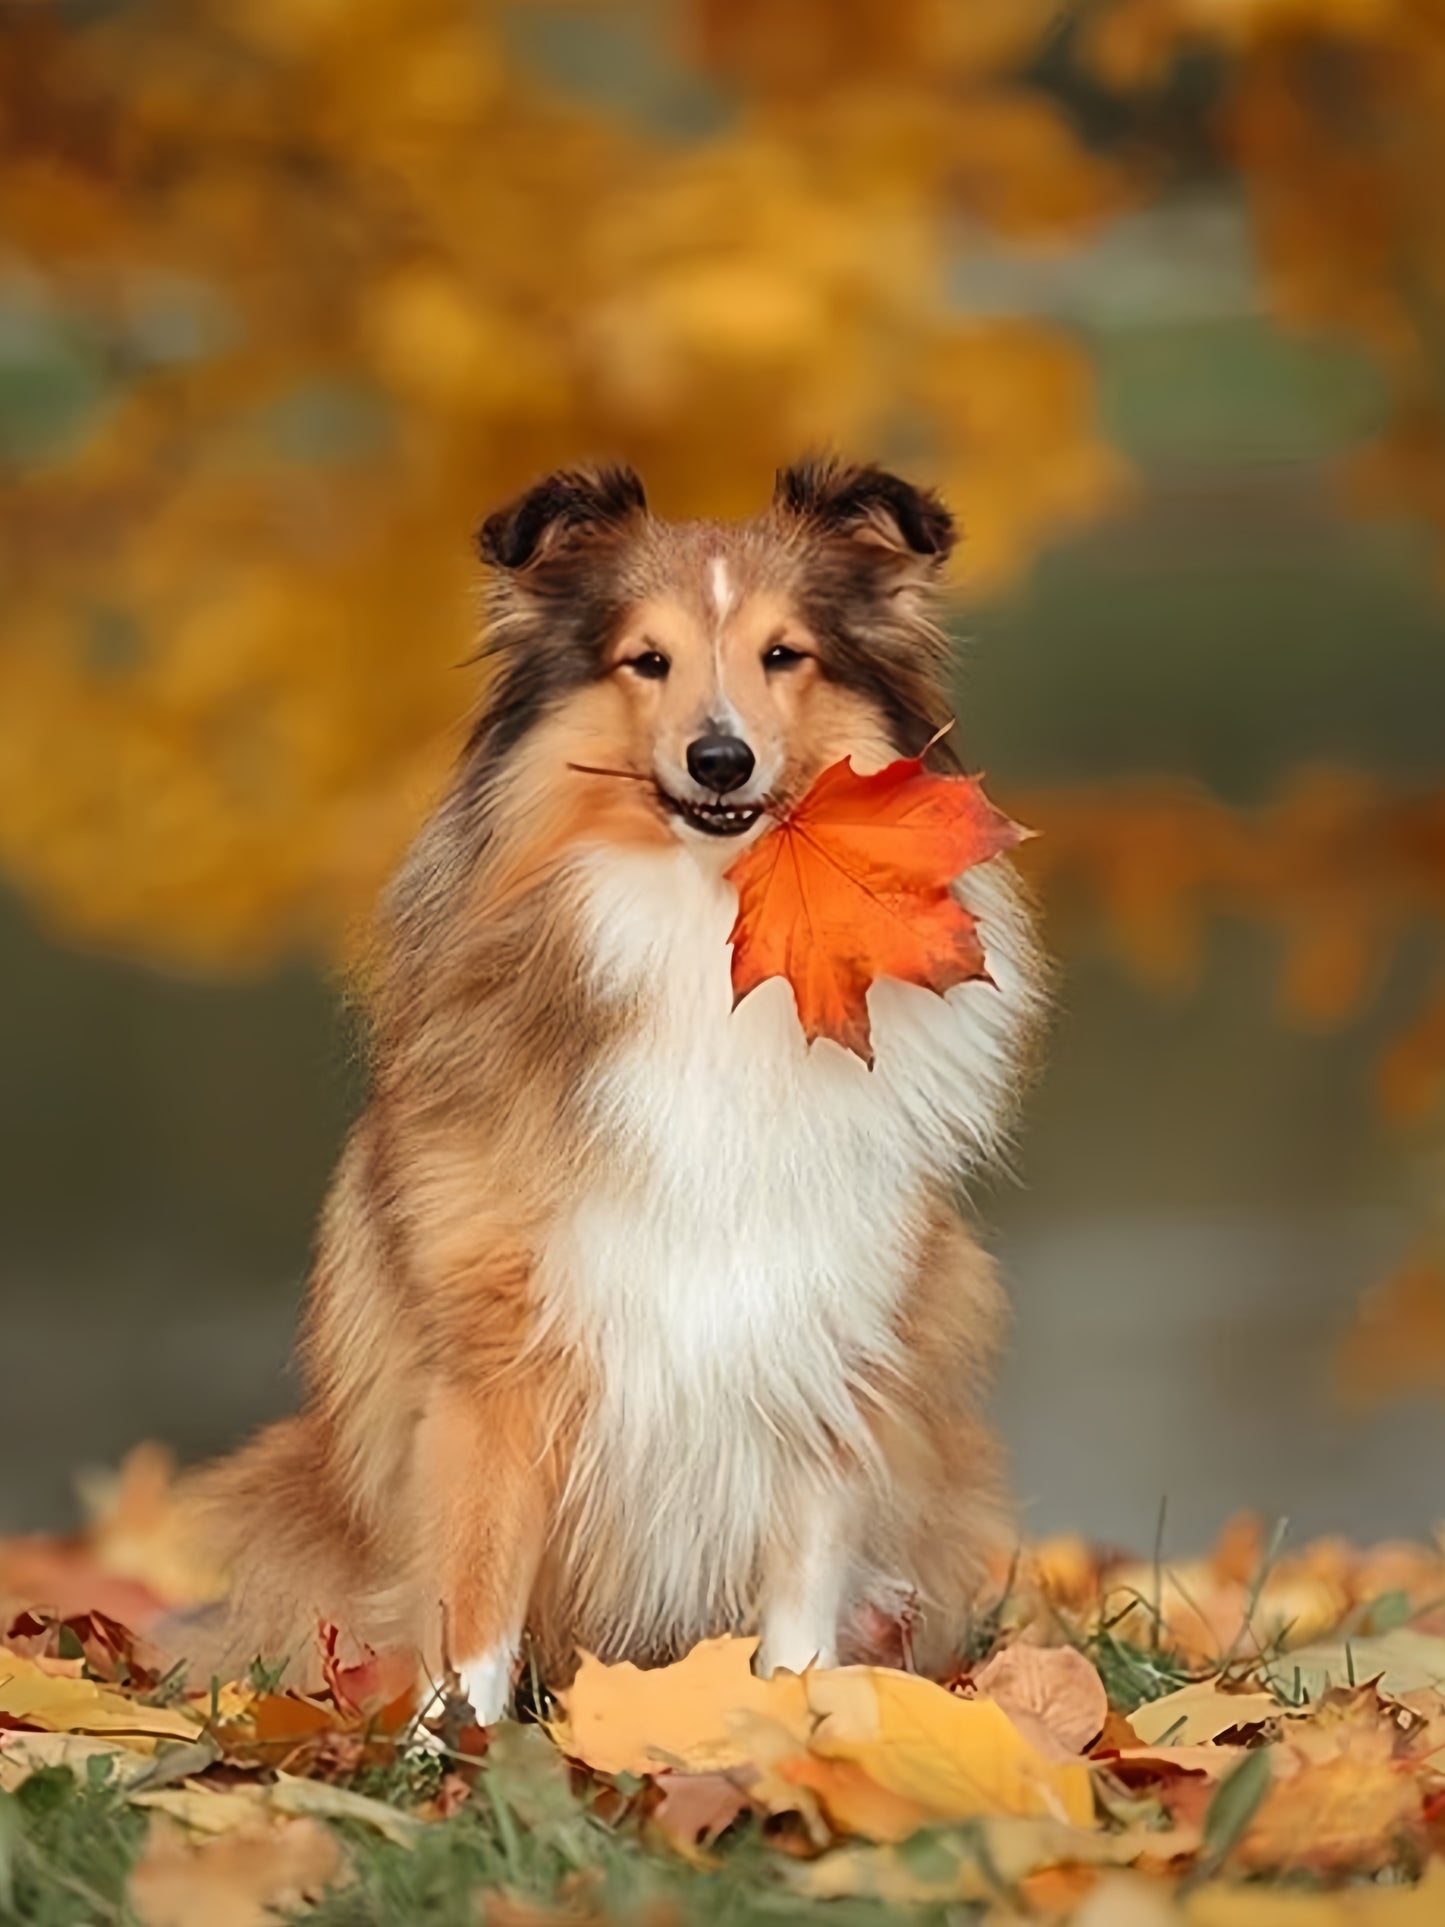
column 1198, row 1713
column 696, row 1808
column 1348, row 1815
column 1053, row 1695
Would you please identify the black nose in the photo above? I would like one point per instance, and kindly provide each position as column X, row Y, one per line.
column 719, row 763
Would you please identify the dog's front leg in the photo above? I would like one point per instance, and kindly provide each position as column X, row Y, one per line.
column 805, row 1587
column 484, row 1498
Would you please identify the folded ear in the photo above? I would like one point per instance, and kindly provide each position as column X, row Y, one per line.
column 570, row 505
column 869, row 504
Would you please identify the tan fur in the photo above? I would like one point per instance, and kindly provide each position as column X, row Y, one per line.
column 415, row 1499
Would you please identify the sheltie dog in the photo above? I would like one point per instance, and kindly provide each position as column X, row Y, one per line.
column 633, row 1318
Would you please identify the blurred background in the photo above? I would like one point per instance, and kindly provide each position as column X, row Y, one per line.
column 292, row 291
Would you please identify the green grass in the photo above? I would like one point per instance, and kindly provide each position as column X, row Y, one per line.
column 67, row 1845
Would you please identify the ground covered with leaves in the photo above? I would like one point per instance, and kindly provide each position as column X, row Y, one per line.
column 1252, row 1739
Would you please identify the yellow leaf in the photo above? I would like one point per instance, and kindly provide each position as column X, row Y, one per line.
column 217, row 1810
column 208, row 1810
column 881, row 1753
column 1196, row 1714
column 22, row 1754
column 998, row 1853
column 318, row 1799
column 624, row 1719
column 1402, row 1661
column 952, row 1758
column 80, row 1706
column 1222, row 1906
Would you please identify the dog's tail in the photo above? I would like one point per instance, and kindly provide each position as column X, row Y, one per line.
column 271, row 1519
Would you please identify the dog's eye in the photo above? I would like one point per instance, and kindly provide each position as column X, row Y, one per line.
column 651, row 665
column 780, row 656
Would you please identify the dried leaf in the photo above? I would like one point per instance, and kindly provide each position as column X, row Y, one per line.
column 696, row 1808
column 1255, row 1906
column 1053, row 1695
column 627, row 1719
column 22, row 1754
column 1199, row 1713
column 1401, row 1661
column 1136, row 1762
column 320, row 1801
column 853, row 884
column 992, row 1856
column 31, row 1696
column 880, row 1753
column 377, row 1687
column 953, row 1759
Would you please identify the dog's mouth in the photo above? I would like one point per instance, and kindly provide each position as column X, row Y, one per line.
column 714, row 819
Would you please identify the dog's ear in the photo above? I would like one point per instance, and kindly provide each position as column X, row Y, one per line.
column 868, row 504
column 572, row 505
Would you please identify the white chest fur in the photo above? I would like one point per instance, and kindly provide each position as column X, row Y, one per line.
column 735, row 1273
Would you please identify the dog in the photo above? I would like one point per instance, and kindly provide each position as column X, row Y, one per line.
column 633, row 1318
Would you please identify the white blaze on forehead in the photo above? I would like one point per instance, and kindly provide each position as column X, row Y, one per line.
column 720, row 585
column 722, row 588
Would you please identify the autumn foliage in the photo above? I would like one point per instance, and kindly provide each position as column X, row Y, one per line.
column 315, row 285
column 334, row 279
column 1118, row 1740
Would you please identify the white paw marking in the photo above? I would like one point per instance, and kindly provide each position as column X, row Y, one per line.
column 487, row 1682
column 793, row 1645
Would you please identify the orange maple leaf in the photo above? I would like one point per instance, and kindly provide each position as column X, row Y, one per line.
column 853, row 884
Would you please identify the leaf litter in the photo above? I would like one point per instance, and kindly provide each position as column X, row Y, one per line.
column 1255, row 1737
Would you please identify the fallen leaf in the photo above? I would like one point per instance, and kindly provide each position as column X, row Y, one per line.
column 1344, row 1816
column 240, row 1879
column 1127, row 1900
column 1206, row 1615
column 35, row 1697
column 206, row 1809
column 174, row 1761
column 881, row 1753
column 952, row 1758
column 1365, row 1906
column 22, row 1754
column 1401, row 1661
column 227, row 1809
column 380, row 1687
column 1056, row 1892
column 1206, row 1758
column 1053, row 1695
column 630, row 1719
column 827, row 1795
column 853, row 883
column 993, row 1855
column 1201, row 1712
column 696, row 1808
column 317, row 1799
column 108, row 1651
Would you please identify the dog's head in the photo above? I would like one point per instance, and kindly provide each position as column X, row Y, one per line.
column 723, row 666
